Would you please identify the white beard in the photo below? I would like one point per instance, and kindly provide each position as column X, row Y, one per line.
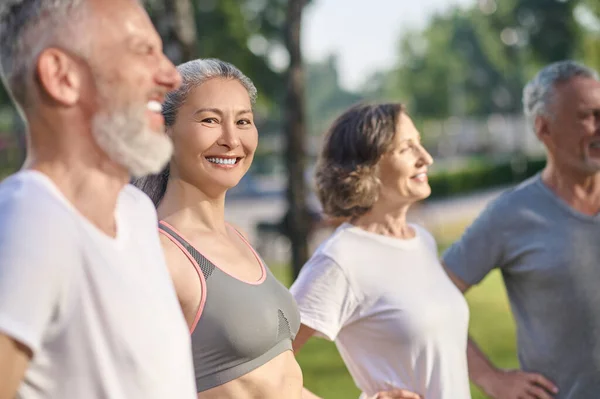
column 128, row 141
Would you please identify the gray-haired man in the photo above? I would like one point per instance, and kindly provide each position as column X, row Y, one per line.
column 544, row 235
column 87, row 307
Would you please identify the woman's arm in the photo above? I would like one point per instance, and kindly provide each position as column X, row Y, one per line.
column 303, row 335
column 14, row 359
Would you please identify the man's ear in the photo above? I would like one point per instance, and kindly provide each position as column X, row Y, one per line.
column 59, row 76
column 540, row 127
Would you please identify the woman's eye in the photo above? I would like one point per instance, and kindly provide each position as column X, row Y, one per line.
column 244, row 122
column 209, row 120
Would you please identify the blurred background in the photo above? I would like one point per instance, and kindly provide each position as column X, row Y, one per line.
column 458, row 65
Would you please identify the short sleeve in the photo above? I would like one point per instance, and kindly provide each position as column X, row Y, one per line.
column 36, row 259
column 479, row 250
column 325, row 298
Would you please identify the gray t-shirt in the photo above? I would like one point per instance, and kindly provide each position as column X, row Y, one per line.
column 549, row 255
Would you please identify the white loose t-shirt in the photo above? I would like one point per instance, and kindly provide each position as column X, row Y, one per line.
column 396, row 318
column 100, row 314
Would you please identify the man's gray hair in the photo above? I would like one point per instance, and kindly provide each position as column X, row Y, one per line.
column 27, row 27
column 537, row 94
column 193, row 74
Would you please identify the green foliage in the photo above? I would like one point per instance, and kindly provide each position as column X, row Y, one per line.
column 550, row 26
column 226, row 30
column 475, row 61
column 326, row 99
column 589, row 49
column 483, row 176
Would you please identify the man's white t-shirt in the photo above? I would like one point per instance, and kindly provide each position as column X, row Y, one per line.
column 99, row 314
column 396, row 318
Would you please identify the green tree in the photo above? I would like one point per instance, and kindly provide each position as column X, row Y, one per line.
column 245, row 33
column 476, row 61
column 326, row 98
column 589, row 10
column 550, row 26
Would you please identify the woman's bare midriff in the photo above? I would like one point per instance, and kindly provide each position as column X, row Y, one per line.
column 279, row 378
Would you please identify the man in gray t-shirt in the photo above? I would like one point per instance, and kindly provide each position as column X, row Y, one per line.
column 544, row 235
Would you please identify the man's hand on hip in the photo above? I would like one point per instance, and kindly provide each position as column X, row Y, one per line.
column 517, row 384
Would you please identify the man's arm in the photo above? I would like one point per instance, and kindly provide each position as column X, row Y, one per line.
column 14, row 359
column 498, row 383
column 36, row 266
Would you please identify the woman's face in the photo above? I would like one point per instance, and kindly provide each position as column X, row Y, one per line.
column 214, row 136
column 402, row 170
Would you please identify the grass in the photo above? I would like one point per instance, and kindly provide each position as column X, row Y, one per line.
column 491, row 326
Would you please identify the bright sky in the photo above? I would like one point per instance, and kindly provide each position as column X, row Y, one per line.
column 364, row 33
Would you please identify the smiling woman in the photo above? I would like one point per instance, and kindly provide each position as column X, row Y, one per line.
column 214, row 136
column 188, row 106
column 376, row 287
column 242, row 320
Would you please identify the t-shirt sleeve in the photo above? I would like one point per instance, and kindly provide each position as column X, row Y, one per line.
column 36, row 259
column 325, row 298
column 479, row 250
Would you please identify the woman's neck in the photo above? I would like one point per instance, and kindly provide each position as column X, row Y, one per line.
column 386, row 220
column 189, row 208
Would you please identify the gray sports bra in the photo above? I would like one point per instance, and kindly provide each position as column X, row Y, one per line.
column 239, row 325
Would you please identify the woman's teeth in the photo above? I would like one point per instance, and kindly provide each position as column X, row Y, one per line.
column 222, row 161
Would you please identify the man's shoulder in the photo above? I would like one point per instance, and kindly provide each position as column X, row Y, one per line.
column 25, row 195
column 138, row 208
column 136, row 196
column 34, row 217
column 520, row 196
column 20, row 184
column 137, row 201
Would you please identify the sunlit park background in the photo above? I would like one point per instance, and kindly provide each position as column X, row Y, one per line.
column 458, row 65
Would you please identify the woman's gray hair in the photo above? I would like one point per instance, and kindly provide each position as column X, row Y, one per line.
column 538, row 93
column 193, row 73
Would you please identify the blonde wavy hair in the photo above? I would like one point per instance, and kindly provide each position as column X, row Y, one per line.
column 346, row 173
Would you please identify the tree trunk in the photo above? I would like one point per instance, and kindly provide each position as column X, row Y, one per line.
column 184, row 27
column 176, row 24
column 297, row 219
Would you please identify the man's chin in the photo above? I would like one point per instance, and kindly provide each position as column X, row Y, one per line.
column 153, row 162
column 147, row 156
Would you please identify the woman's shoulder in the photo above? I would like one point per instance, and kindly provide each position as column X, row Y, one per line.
column 425, row 235
column 339, row 242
